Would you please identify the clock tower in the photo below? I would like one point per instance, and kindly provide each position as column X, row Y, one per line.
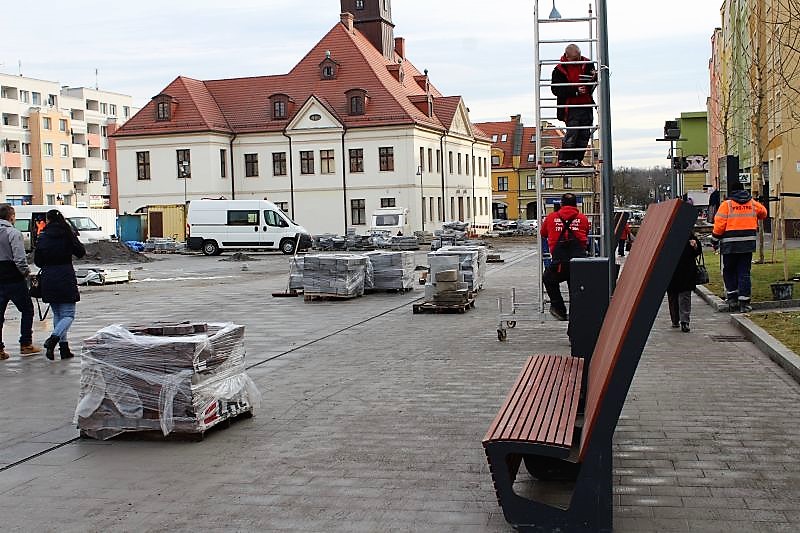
column 373, row 18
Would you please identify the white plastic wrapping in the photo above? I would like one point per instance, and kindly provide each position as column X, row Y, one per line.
column 133, row 381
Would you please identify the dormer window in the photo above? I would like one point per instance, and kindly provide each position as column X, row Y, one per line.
column 164, row 107
column 357, row 101
column 359, row 4
column 279, row 106
column 328, row 68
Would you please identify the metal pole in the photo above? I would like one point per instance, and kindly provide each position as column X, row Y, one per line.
column 674, row 169
column 605, row 143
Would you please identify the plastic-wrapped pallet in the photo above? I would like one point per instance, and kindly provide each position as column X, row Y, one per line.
column 392, row 270
column 182, row 378
column 296, row 273
column 340, row 275
column 479, row 273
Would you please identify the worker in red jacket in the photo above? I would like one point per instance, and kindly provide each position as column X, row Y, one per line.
column 566, row 232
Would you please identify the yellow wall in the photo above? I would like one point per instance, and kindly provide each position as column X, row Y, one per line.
column 174, row 220
column 40, row 161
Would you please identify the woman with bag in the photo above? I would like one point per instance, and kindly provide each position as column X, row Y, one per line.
column 55, row 247
column 684, row 279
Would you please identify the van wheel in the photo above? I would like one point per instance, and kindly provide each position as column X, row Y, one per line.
column 287, row 246
column 211, row 248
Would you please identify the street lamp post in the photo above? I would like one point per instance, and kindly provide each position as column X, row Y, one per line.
column 183, row 173
column 421, row 197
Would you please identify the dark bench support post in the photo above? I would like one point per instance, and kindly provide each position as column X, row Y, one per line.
column 588, row 304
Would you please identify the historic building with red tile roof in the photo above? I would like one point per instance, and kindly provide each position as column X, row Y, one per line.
column 353, row 127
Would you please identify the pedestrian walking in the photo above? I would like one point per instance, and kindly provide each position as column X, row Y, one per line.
column 577, row 101
column 735, row 230
column 679, row 290
column 14, row 271
column 623, row 240
column 566, row 232
column 53, row 254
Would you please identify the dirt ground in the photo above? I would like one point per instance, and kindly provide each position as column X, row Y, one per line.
column 112, row 252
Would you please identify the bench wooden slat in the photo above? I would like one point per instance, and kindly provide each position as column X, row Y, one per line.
column 542, row 405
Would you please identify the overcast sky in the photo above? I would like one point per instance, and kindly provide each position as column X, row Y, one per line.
column 481, row 50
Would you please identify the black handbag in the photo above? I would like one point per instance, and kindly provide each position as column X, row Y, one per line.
column 701, row 273
column 35, row 286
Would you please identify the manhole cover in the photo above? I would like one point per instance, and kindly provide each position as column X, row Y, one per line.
column 728, row 338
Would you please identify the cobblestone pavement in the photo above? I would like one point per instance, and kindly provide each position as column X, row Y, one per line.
column 372, row 419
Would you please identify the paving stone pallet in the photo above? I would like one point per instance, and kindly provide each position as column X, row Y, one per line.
column 430, row 307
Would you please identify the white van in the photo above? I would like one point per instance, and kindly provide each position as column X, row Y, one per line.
column 88, row 230
column 218, row 225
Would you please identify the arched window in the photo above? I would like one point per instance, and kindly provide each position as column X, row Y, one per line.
column 357, row 101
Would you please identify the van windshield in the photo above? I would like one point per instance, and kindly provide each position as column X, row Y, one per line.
column 387, row 220
column 83, row 223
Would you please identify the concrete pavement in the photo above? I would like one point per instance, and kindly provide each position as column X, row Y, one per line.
column 372, row 419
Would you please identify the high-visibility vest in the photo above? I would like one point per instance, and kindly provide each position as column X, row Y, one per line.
column 736, row 226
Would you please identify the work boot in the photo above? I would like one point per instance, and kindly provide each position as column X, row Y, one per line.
column 744, row 306
column 685, row 327
column 3, row 354
column 63, row 348
column 560, row 315
column 733, row 301
column 50, row 346
column 26, row 350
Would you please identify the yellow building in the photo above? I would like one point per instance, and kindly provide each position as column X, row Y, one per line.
column 51, row 160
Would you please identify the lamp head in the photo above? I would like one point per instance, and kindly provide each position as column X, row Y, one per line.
column 554, row 14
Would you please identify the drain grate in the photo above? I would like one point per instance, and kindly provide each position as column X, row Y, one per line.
column 728, row 338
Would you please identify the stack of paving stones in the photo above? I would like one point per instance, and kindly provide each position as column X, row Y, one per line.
column 445, row 284
column 329, row 242
column 341, row 275
column 360, row 243
column 296, row 273
column 423, row 237
column 392, row 270
column 173, row 378
column 472, row 263
column 401, row 242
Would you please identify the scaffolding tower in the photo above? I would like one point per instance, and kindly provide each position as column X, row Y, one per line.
column 552, row 34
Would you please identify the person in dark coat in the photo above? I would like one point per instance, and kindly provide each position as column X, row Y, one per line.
column 573, row 82
column 679, row 291
column 53, row 254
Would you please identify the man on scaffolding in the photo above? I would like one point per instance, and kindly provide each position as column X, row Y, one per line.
column 573, row 147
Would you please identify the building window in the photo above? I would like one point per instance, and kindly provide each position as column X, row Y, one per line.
column 126, row 111
column 549, row 155
column 438, row 162
column 430, row 160
column 327, row 72
column 386, row 158
column 466, row 163
column 104, row 108
column 143, row 165
column 65, row 175
column 480, row 166
column 48, row 148
column 430, row 208
column 51, row 199
column 306, row 162
column 223, row 163
column 104, row 131
column 62, row 124
column 279, row 109
column 421, row 158
column 37, row 98
column 26, row 174
column 356, row 104
column 49, row 175
column 503, row 138
column 112, row 110
column 104, row 154
column 106, row 179
column 359, row 4
column 279, row 163
column 388, row 202
column 548, row 183
column 531, row 158
column 25, row 124
column 485, row 168
column 531, row 183
column 356, row 160
column 25, row 96
column 163, row 110
column 495, row 160
column 327, row 163
column 358, row 212
column 184, row 164
column 567, row 183
column 250, row 165
column 439, row 206
column 283, row 206
column 502, row 183
column 46, row 123
column 459, row 164
column 494, row 138
column 450, row 162
column 64, row 150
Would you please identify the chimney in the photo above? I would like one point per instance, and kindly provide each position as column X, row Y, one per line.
column 347, row 21
column 400, row 46
column 516, row 118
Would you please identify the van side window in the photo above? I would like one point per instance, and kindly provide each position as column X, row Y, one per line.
column 274, row 219
column 23, row 224
column 243, row 218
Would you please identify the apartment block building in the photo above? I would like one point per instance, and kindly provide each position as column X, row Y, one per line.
column 54, row 142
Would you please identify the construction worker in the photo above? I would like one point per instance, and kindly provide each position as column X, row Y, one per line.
column 735, row 230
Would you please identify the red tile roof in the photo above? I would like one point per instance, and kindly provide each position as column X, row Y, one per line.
column 501, row 128
column 241, row 105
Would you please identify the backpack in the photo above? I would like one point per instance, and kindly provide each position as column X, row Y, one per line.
column 567, row 246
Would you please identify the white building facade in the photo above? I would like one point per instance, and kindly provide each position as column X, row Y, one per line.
column 350, row 129
column 54, row 142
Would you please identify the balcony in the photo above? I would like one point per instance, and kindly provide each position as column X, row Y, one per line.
column 11, row 159
column 79, row 150
column 79, row 175
column 95, row 141
column 78, row 127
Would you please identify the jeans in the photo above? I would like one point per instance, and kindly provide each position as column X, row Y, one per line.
column 63, row 316
column 575, row 141
column 17, row 293
column 680, row 306
column 736, row 274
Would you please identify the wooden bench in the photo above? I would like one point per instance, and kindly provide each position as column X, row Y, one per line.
column 566, row 452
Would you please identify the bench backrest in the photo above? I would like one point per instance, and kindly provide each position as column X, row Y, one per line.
column 630, row 316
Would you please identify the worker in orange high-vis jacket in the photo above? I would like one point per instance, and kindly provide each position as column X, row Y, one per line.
column 735, row 230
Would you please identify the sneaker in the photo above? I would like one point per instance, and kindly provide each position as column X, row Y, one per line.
column 685, row 327
column 560, row 315
column 744, row 306
column 3, row 355
column 26, row 350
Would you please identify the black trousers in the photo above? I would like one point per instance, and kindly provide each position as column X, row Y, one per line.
column 573, row 147
column 16, row 292
column 554, row 275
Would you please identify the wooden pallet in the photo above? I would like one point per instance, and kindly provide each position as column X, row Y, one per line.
column 430, row 307
column 389, row 291
column 178, row 434
column 317, row 297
